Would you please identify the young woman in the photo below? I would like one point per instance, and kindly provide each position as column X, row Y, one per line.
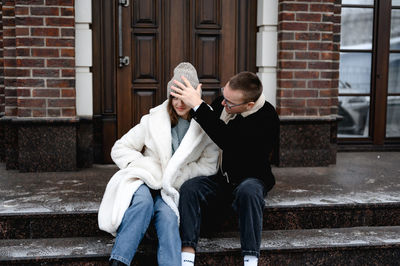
column 155, row 157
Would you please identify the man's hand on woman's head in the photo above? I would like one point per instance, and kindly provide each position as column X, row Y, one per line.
column 185, row 92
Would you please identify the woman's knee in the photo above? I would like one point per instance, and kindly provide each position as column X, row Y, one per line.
column 142, row 199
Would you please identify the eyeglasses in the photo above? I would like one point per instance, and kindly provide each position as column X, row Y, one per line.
column 228, row 103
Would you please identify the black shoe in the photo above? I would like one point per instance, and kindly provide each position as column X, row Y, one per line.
column 116, row 263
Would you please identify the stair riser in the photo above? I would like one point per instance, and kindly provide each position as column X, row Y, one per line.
column 381, row 255
column 73, row 225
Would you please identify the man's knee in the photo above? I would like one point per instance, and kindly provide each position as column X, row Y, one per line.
column 250, row 190
column 190, row 187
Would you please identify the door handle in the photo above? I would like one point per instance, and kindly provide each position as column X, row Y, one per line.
column 123, row 59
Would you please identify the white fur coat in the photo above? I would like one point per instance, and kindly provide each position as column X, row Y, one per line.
column 144, row 156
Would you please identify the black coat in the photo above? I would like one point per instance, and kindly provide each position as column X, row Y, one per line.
column 246, row 142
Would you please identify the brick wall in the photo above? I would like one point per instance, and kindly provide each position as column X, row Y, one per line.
column 308, row 57
column 2, row 97
column 39, row 58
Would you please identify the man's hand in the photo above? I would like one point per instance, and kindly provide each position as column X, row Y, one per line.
column 185, row 92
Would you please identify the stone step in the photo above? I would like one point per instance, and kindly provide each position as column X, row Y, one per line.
column 84, row 224
column 341, row 246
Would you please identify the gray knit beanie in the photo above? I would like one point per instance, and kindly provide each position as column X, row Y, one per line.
column 188, row 71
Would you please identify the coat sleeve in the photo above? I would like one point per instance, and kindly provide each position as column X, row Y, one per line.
column 128, row 148
column 204, row 166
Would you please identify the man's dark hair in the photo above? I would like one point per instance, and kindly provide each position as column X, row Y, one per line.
column 248, row 83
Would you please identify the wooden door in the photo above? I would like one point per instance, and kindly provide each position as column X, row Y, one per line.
column 216, row 36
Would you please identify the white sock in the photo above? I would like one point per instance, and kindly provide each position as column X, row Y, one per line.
column 187, row 259
column 250, row 260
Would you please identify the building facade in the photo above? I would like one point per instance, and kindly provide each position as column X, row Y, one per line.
column 76, row 75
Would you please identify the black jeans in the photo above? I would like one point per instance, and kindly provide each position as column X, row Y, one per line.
column 246, row 198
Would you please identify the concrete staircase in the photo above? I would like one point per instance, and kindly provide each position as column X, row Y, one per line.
column 348, row 214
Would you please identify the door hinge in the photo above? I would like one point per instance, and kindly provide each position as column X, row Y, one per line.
column 124, row 3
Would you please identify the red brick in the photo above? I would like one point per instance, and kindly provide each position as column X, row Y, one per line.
column 46, row 72
column 293, row 7
column 23, row 92
column 318, row 102
column 321, row 27
column 11, row 111
column 24, row 112
column 320, row 46
column 68, row 93
column 308, row 17
column 321, row 7
column 30, row 42
column 305, row 93
column 311, row 111
column 45, row 32
column 284, row 36
column 54, row 112
column 285, row 74
column 320, row 65
column 326, row 93
column 29, row 21
column 306, row 74
column 327, row 18
column 17, row 72
column 284, row 111
column 60, row 42
column 292, row 102
column 59, row 2
column 68, row 112
column 22, row 31
column 60, row 63
column 10, row 53
column 305, row 36
column 45, row 52
column 294, row 26
column 285, row 55
column 327, row 37
column 67, row 52
column 29, row 2
column 39, row 112
column 307, row 55
column 31, row 102
column 293, row 45
column 61, row 83
column 9, row 43
column 30, row 83
column 68, row 73
column 67, row 32
column 65, row 22
column 324, row 111
column 291, row 84
column 46, row 93
column 9, row 32
column 30, row 62
column 61, row 102
column 67, row 12
column 292, row 65
column 45, row 11
column 285, row 93
column 286, row 16
column 319, row 84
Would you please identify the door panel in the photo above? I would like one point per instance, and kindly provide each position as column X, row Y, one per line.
column 158, row 35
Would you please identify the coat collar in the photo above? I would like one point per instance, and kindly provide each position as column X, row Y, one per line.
column 257, row 106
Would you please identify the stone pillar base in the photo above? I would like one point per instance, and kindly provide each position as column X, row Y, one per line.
column 307, row 141
column 47, row 145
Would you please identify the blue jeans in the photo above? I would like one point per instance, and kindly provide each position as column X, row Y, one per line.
column 203, row 192
column 135, row 222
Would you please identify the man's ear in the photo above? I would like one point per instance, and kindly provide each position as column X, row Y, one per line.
column 250, row 105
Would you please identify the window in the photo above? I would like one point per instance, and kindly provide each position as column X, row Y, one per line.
column 369, row 83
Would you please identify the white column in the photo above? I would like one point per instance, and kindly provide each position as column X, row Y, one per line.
column 267, row 46
column 83, row 58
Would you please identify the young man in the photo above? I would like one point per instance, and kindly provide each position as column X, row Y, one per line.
column 246, row 129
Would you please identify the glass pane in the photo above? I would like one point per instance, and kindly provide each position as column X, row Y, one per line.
column 395, row 30
column 355, row 113
column 358, row 2
column 394, row 73
column 395, row 2
column 393, row 117
column 355, row 73
column 356, row 28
